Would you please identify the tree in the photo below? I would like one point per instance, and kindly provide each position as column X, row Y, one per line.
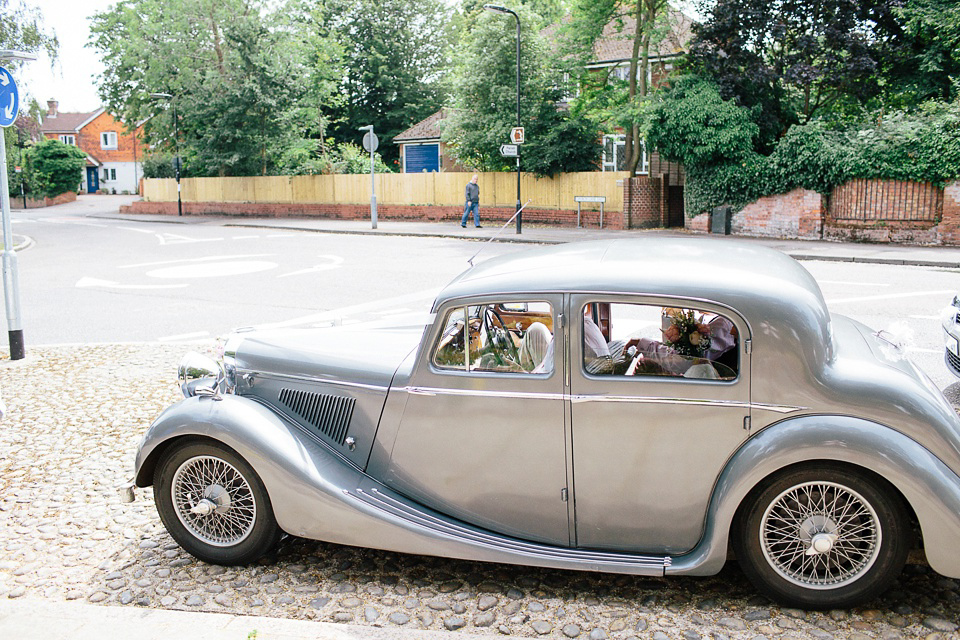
column 395, row 53
column 21, row 29
column 792, row 60
column 245, row 80
column 57, row 167
column 484, row 89
column 645, row 23
column 924, row 62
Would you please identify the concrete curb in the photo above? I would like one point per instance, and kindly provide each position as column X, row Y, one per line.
column 42, row 620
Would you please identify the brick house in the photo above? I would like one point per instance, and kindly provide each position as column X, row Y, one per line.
column 114, row 157
column 421, row 148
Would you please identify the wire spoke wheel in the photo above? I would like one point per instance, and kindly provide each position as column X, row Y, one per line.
column 823, row 536
column 213, row 501
column 820, row 534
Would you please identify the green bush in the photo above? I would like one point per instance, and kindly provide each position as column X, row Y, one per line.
column 56, row 167
column 158, row 165
column 921, row 145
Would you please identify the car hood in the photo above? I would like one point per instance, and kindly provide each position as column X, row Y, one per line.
column 359, row 355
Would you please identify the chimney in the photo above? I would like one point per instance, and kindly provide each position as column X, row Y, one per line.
column 52, row 108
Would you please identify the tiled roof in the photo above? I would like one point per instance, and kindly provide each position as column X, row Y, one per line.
column 64, row 122
column 616, row 43
column 426, row 129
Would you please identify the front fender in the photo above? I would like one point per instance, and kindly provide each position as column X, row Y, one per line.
column 928, row 485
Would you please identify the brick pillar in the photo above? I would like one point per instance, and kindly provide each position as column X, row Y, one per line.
column 949, row 227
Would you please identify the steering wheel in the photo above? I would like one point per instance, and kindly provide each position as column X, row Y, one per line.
column 499, row 337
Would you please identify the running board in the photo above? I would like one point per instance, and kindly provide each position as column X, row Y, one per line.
column 506, row 549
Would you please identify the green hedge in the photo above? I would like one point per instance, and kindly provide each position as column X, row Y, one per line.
column 922, row 147
column 712, row 137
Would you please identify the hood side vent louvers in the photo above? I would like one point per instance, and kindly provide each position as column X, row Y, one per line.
column 330, row 415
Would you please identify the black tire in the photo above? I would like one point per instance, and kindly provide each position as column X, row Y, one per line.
column 822, row 537
column 238, row 527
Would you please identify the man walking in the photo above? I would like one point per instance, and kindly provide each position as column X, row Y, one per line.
column 472, row 196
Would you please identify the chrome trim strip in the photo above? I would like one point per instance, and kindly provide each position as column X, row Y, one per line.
column 579, row 399
column 433, row 391
column 336, row 383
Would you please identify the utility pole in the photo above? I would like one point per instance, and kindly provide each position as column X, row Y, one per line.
column 11, row 280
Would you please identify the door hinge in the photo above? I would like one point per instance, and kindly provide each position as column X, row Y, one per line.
column 748, row 346
column 563, row 495
column 560, row 320
column 746, row 423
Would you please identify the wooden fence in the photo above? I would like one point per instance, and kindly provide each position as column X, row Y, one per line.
column 445, row 189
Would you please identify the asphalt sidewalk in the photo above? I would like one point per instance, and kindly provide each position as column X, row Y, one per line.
column 896, row 254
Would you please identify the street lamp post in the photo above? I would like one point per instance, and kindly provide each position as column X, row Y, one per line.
column 176, row 145
column 11, row 279
column 498, row 9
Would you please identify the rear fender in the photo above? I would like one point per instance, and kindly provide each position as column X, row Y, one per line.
column 929, row 486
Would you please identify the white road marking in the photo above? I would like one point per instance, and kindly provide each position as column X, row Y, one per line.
column 147, row 231
column 213, row 270
column 207, row 259
column 184, row 336
column 891, row 296
column 245, row 237
column 855, row 284
column 336, row 315
column 925, row 317
column 172, row 238
column 87, row 283
column 333, row 263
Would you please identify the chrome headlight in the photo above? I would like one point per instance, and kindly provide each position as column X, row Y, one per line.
column 230, row 361
column 199, row 375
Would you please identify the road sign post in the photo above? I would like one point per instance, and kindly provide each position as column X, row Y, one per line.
column 9, row 107
column 371, row 143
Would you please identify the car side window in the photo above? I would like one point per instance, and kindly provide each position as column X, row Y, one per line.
column 508, row 337
column 651, row 340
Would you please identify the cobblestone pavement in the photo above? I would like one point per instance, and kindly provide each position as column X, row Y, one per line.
column 76, row 415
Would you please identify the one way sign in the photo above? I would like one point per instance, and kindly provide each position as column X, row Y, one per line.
column 9, row 99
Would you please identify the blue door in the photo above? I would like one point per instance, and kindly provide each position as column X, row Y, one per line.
column 422, row 157
column 93, row 180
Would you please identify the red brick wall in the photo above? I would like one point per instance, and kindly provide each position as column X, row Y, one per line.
column 644, row 203
column 699, row 224
column 948, row 230
column 63, row 198
column 425, row 213
column 798, row 214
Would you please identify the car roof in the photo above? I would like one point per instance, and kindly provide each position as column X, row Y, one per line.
column 739, row 274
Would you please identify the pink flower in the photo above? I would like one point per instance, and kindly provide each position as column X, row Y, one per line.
column 672, row 333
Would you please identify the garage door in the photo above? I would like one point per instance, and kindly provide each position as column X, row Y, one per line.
column 422, row 157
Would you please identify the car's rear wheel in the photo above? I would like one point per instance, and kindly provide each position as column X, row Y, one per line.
column 214, row 504
column 823, row 537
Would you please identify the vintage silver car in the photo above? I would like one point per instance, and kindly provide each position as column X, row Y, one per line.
column 640, row 406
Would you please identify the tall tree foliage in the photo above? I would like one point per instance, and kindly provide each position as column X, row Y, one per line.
column 395, row 53
column 240, row 76
column 925, row 60
column 644, row 23
column 485, row 96
column 793, row 60
column 22, row 29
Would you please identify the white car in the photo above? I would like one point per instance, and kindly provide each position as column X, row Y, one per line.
column 950, row 318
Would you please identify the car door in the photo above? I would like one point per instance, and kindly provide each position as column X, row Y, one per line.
column 652, row 430
column 483, row 436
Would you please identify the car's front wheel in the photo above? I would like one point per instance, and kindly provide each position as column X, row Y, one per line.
column 823, row 537
column 214, row 504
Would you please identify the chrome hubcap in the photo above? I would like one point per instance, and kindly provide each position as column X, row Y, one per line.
column 820, row 535
column 213, row 501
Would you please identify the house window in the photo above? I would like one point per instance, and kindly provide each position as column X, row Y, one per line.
column 108, row 140
column 614, row 158
column 109, row 174
column 68, row 139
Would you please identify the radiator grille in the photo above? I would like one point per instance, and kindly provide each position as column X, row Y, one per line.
column 954, row 361
column 329, row 414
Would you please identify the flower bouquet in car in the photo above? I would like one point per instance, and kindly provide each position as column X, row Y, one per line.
column 685, row 332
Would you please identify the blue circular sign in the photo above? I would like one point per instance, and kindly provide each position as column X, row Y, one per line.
column 9, row 98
